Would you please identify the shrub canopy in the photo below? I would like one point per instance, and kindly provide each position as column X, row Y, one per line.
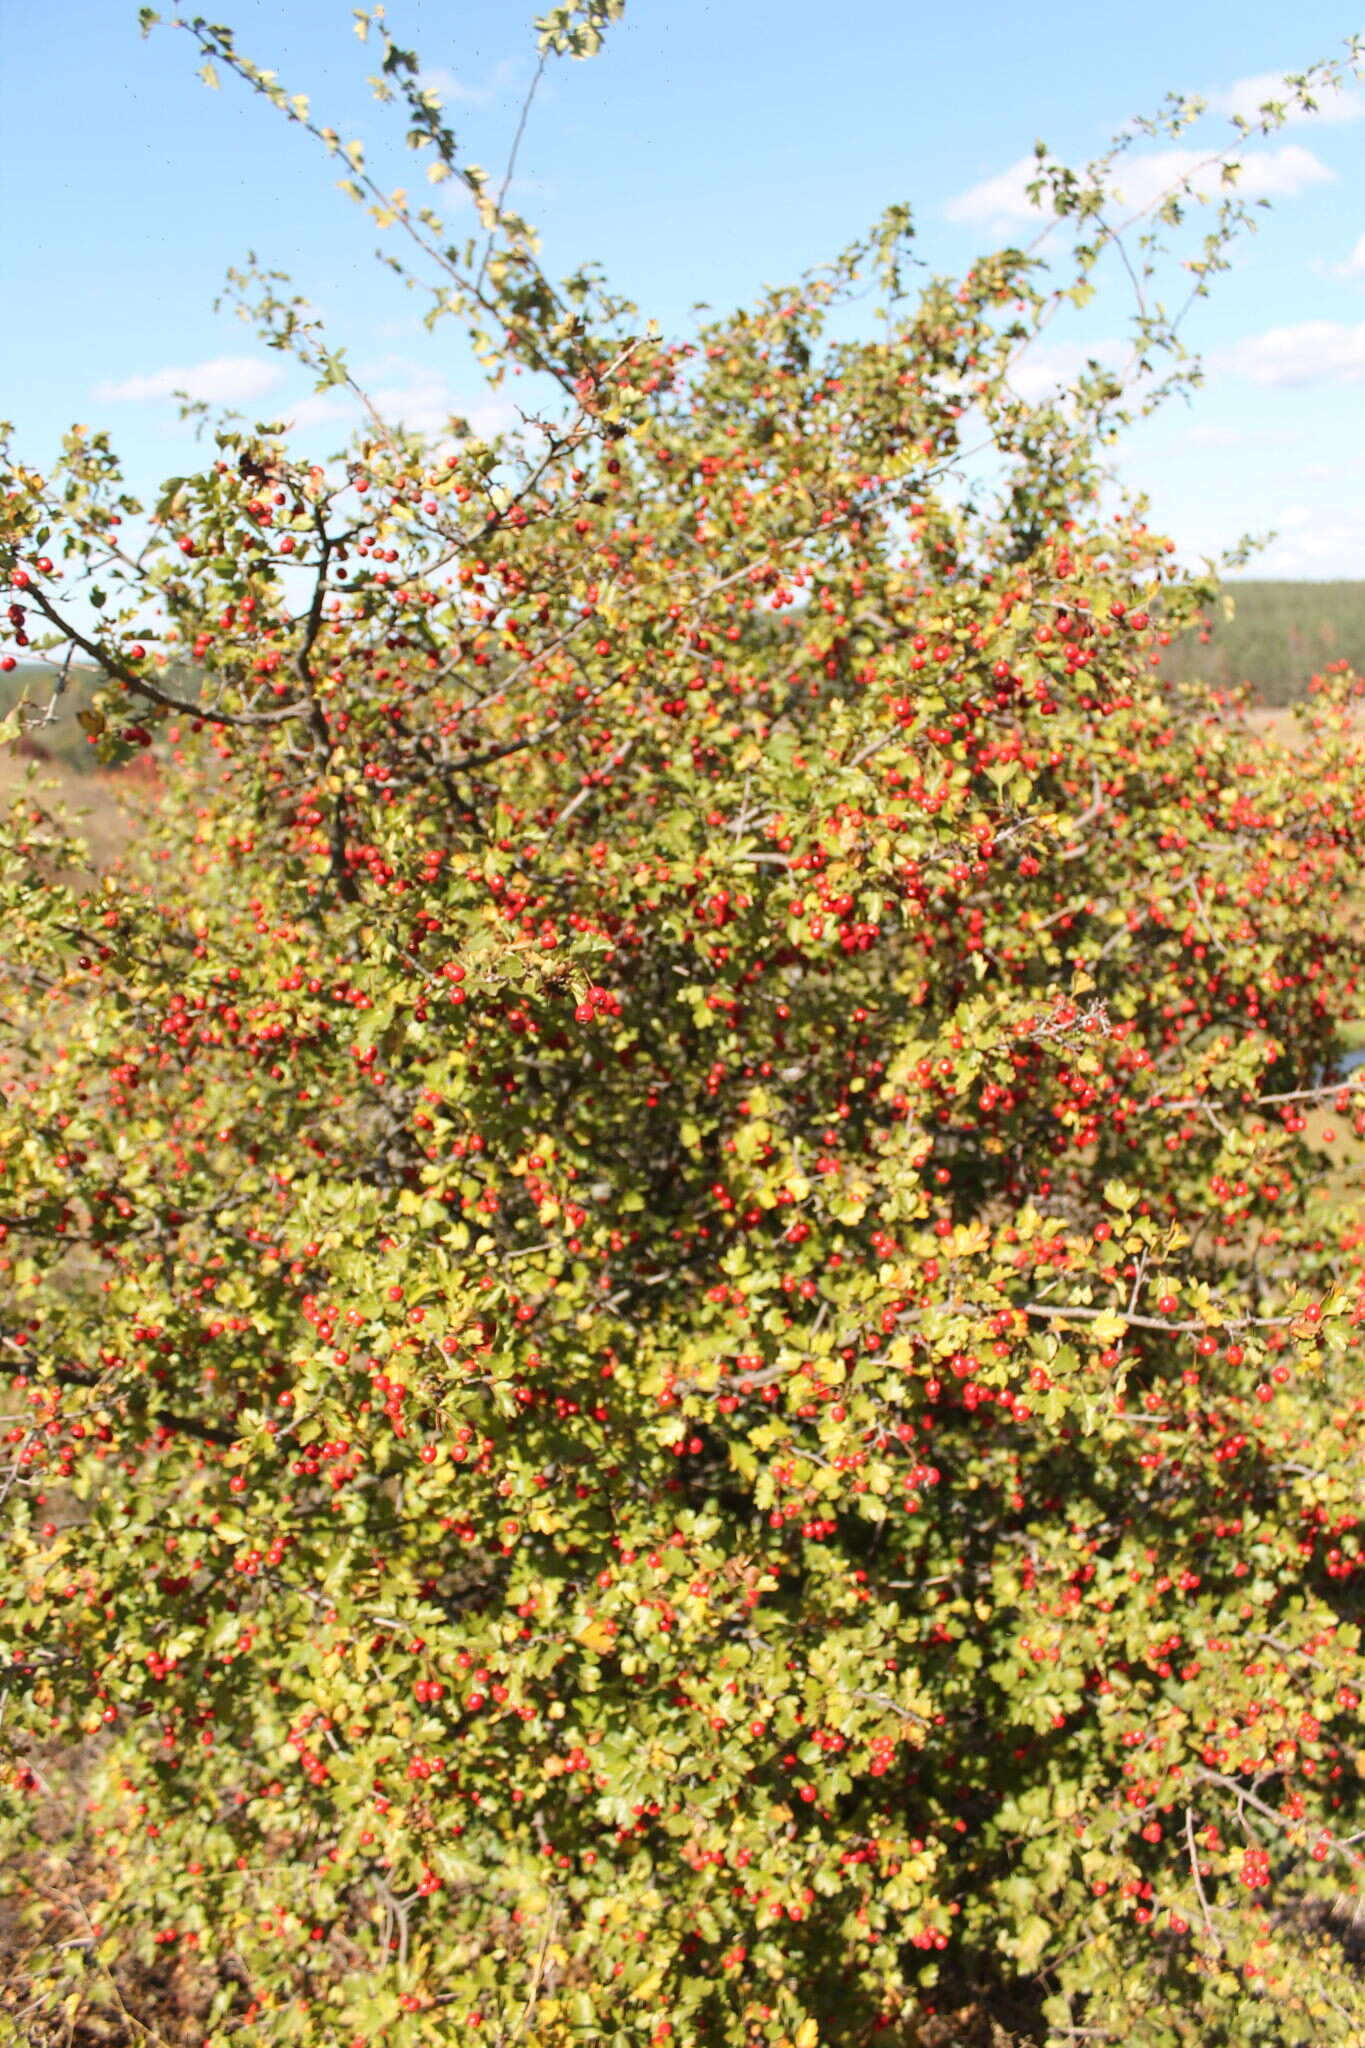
column 686, row 1352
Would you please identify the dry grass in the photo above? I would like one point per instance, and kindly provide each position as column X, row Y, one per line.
column 103, row 808
column 1279, row 722
column 61, row 1985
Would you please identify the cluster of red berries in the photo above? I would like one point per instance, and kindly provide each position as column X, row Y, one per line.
column 598, row 1001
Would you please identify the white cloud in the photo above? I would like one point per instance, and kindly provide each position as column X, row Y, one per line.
column 1282, row 173
column 1002, row 202
column 425, row 404
column 1314, row 544
column 1314, row 352
column 1056, row 365
column 1259, row 437
column 1354, row 266
column 997, row 201
column 453, row 196
column 1215, row 437
column 404, row 394
column 224, row 380
column 439, row 78
column 1246, row 96
column 318, row 410
column 457, row 91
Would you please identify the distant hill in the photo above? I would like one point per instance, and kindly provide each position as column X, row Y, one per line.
column 1277, row 635
column 64, row 740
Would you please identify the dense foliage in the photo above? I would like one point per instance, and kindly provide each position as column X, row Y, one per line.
column 686, row 1349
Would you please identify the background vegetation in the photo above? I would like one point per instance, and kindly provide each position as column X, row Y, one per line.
column 1272, row 635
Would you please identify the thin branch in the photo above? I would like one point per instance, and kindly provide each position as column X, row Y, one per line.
column 1209, row 1927
column 506, row 184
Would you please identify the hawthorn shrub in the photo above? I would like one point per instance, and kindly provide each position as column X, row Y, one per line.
column 686, row 1349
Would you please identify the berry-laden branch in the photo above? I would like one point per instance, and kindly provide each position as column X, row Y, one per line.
column 681, row 1276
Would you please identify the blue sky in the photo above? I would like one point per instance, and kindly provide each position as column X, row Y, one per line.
column 714, row 146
